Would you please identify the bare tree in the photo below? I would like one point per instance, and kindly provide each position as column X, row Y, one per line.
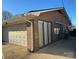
column 6, row 15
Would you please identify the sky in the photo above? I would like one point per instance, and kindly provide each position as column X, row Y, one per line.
column 23, row 6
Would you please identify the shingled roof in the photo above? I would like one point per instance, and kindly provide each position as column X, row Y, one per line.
column 18, row 19
column 37, row 12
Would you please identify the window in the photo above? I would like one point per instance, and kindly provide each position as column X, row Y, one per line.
column 56, row 30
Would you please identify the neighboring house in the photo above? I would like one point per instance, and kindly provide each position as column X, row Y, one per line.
column 36, row 29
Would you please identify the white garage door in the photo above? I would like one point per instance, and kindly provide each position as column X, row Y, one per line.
column 17, row 34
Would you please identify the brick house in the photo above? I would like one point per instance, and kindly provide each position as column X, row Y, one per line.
column 37, row 28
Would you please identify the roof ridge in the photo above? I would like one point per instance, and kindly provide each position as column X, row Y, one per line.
column 45, row 9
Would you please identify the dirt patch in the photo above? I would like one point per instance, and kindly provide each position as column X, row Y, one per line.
column 11, row 51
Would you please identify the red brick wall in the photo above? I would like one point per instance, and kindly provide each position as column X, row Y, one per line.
column 36, row 34
column 52, row 16
column 55, row 16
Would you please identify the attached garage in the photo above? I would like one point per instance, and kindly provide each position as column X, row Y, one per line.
column 18, row 31
column 17, row 34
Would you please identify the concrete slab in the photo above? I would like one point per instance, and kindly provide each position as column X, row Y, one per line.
column 63, row 49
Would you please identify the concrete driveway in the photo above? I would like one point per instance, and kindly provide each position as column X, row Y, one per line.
column 13, row 51
column 63, row 49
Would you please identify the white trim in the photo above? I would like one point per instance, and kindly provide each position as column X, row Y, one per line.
column 37, row 13
column 61, row 23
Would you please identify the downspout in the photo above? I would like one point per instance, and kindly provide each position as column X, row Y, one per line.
column 32, row 38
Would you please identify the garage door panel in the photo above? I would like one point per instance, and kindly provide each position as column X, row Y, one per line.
column 49, row 32
column 40, row 33
column 45, row 33
column 17, row 35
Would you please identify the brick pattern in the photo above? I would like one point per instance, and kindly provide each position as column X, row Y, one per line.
column 52, row 16
column 55, row 16
column 36, row 35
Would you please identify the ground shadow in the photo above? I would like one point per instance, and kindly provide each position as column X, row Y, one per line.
column 66, row 48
